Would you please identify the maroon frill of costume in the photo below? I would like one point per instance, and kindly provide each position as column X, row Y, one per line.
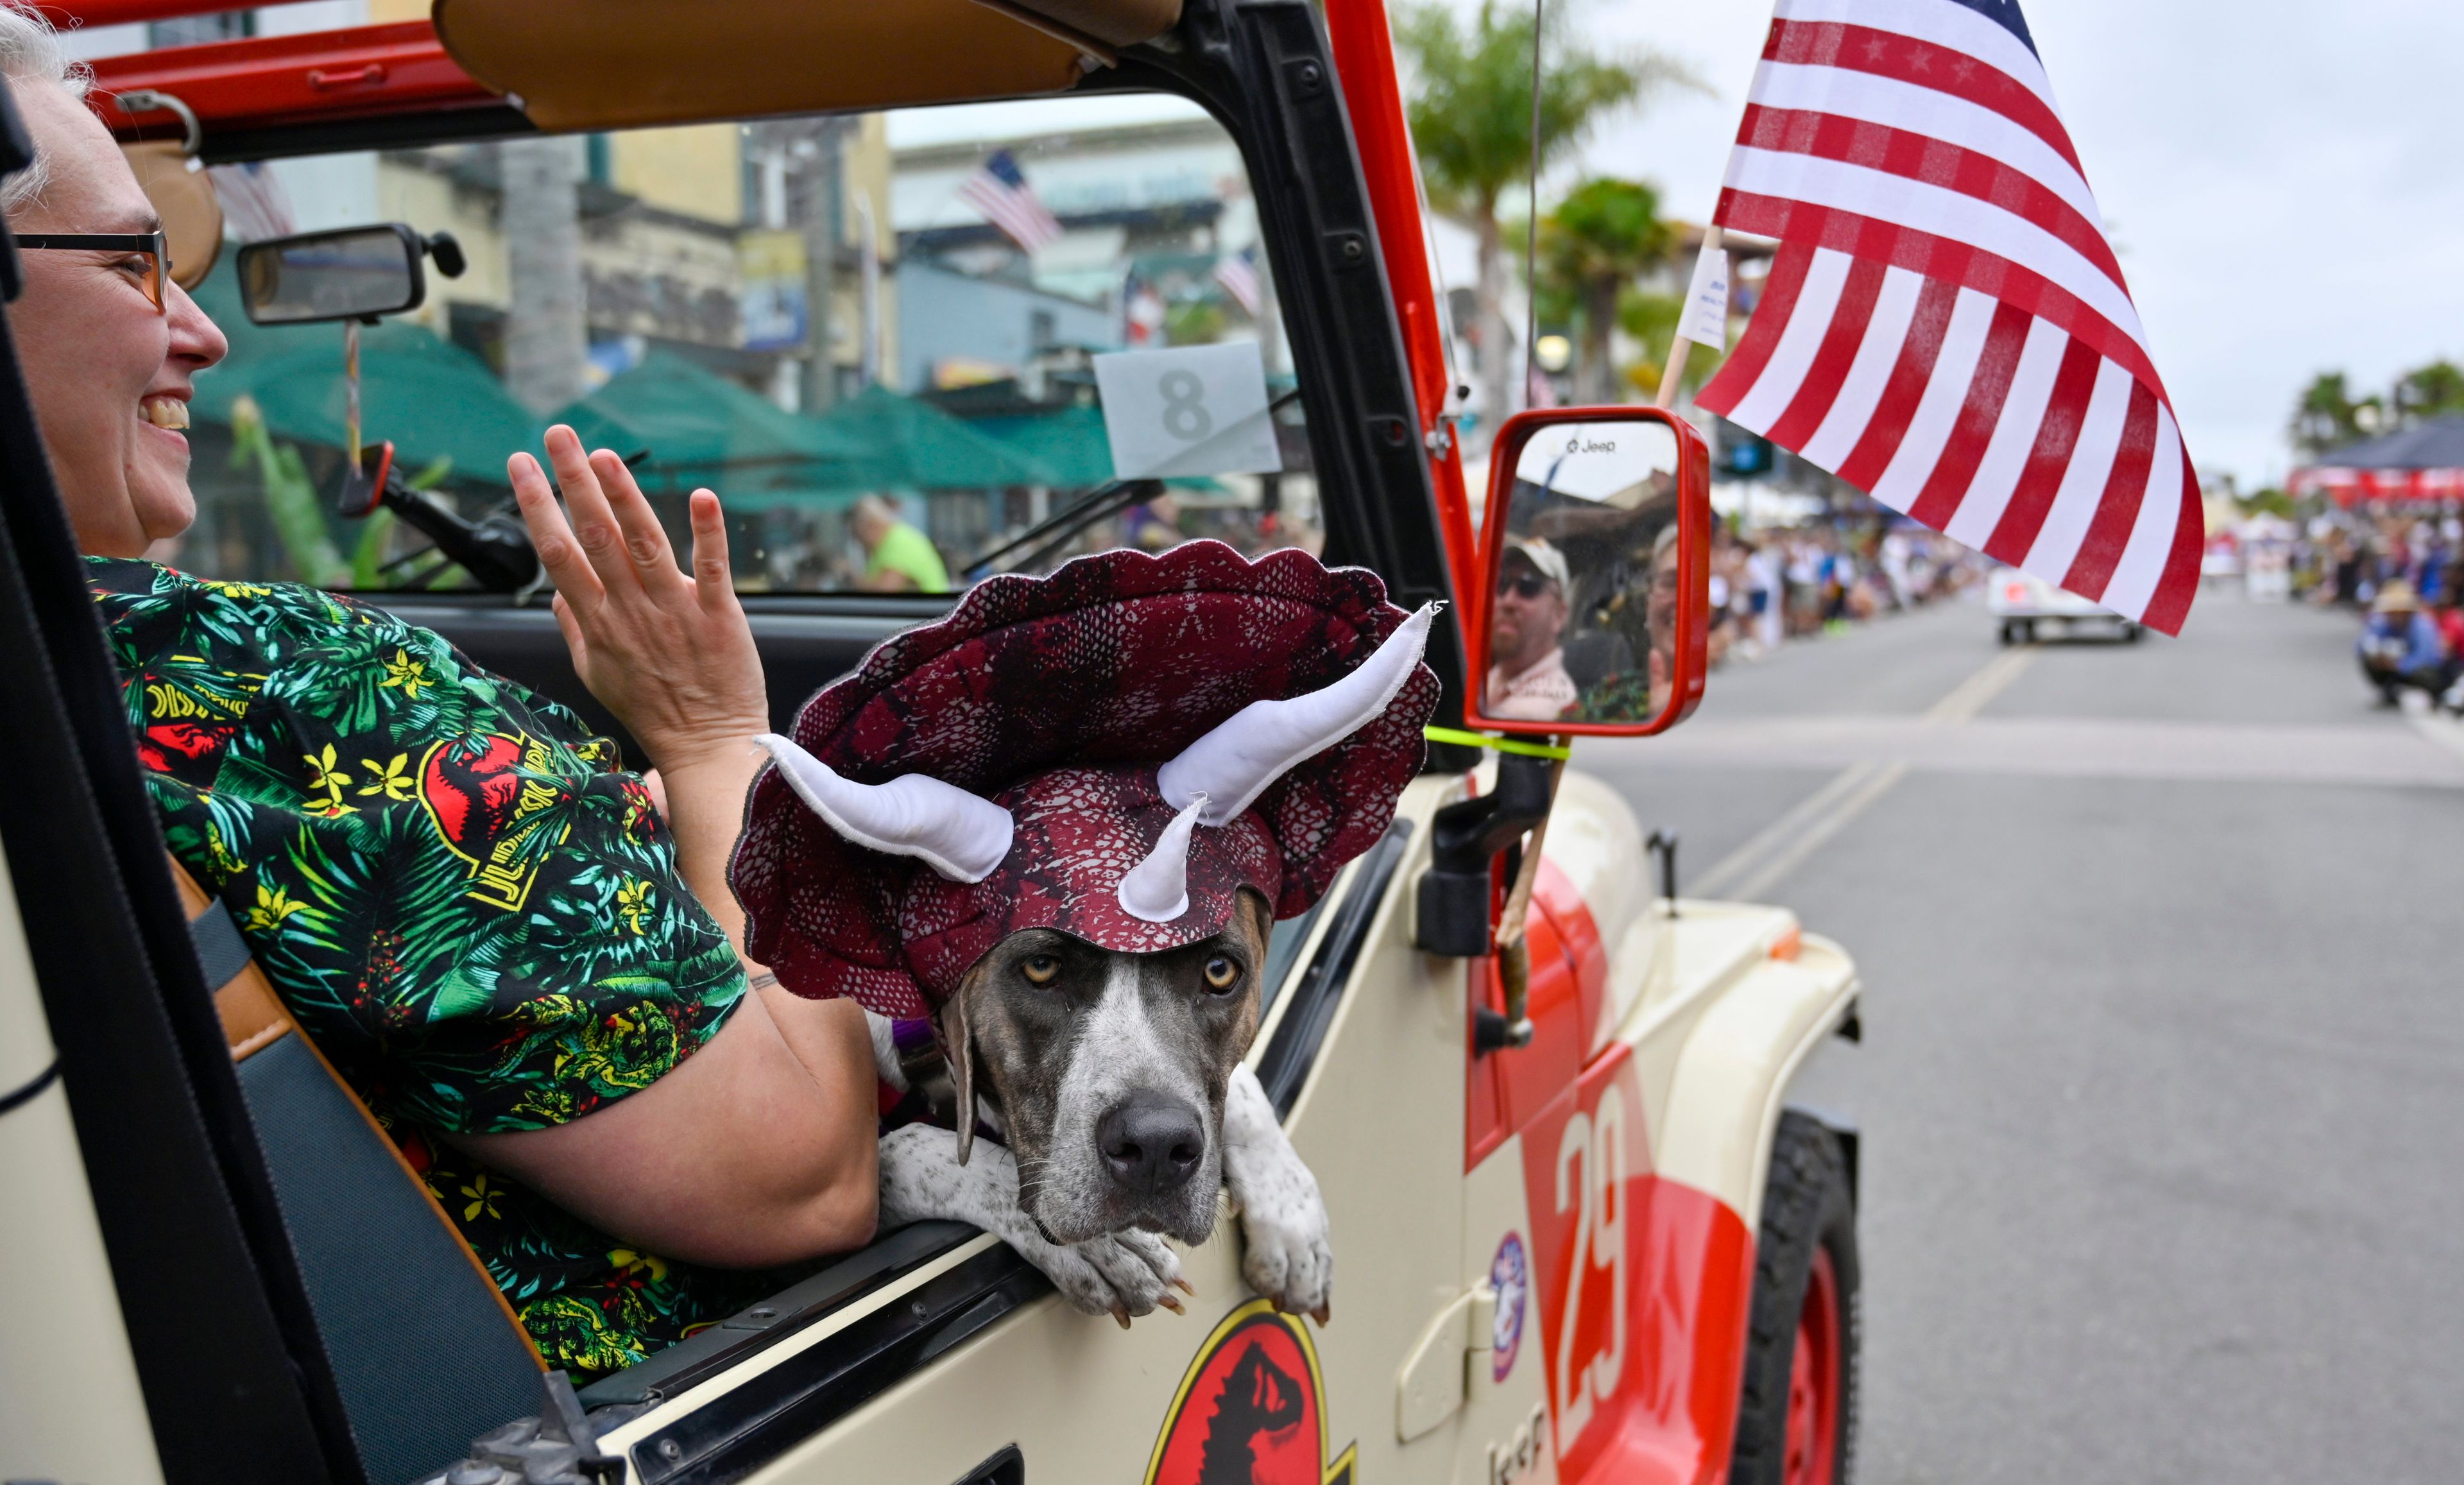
column 1058, row 697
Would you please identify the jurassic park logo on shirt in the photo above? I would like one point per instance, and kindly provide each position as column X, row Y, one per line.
column 489, row 805
column 186, row 727
column 1251, row 1409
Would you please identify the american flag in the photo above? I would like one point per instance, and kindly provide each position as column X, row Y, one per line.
column 1000, row 190
column 1238, row 274
column 1946, row 325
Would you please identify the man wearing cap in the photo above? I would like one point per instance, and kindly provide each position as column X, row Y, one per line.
column 2400, row 645
column 1527, row 672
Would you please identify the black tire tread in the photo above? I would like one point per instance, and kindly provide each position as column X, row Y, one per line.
column 1805, row 1202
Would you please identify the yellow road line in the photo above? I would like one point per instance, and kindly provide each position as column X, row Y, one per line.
column 1790, row 841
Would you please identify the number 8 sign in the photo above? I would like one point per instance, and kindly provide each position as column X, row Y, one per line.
column 1187, row 410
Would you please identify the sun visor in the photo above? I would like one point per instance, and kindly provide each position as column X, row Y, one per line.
column 183, row 198
column 607, row 64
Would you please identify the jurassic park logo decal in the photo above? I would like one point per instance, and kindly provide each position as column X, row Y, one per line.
column 490, row 804
column 1251, row 1409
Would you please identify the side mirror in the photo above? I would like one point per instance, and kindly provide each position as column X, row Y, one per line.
column 1594, row 601
column 358, row 273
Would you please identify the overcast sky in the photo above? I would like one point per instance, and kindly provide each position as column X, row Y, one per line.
column 2282, row 178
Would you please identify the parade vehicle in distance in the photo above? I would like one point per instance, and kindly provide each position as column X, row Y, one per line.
column 1585, row 1143
column 2027, row 609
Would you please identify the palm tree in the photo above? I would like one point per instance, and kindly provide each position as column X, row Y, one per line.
column 1470, row 115
column 2328, row 414
column 2430, row 391
column 1603, row 236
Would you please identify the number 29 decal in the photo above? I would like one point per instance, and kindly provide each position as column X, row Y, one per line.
column 1583, row 1160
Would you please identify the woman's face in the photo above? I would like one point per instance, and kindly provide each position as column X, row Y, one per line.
column 108, row 372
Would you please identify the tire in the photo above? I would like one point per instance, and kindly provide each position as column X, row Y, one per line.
column 1792, row 1428
column 2131, row 632
column 2010, row 636
column 2028, row 631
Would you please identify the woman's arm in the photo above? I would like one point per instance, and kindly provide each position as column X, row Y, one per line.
column 751, row 1153
column 671, row 655
column 758, row 1149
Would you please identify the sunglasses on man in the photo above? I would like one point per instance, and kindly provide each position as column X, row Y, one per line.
column 1521, row 585
column 154, row 245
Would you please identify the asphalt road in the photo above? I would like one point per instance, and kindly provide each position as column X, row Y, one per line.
column 2164, row 1062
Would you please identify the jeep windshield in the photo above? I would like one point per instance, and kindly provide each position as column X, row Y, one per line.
column 907, row 349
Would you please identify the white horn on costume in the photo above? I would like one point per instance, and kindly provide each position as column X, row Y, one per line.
column 1230, row 766
column 960, row 835
column 1156, row 890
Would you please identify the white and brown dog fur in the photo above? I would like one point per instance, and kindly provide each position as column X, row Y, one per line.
column 1119, row 1084
column 1117, row 1079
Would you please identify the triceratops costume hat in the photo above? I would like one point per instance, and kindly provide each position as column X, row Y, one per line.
column 1113, row 751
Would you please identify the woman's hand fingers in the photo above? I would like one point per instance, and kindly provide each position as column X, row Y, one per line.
column 594, row 524
column 575, row 643
column 646, row 540
column 559, row 553
column 713, row 580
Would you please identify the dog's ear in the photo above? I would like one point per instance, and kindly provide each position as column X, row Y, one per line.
column 1260, row 913
column 958, row 1046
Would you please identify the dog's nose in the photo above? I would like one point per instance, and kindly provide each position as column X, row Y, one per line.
column 1152, row 1142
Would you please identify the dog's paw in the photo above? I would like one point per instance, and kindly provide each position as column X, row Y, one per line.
column 1287, row 1253
column 1121, row 1274
column 1289, row 1256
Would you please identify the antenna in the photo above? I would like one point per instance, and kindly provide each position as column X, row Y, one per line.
column 1532, row 212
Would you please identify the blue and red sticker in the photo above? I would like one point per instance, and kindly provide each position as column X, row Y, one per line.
column 1510, row 1274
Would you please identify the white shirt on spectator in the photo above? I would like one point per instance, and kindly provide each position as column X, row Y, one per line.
column 1541, row 693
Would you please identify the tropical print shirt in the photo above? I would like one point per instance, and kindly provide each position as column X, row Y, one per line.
column 464, row 901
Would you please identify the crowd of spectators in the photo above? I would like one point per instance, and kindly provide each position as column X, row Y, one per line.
column 1772, row 585
column 2404, row 570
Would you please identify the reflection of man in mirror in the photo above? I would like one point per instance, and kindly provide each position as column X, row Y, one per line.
column 1526, row 671
column 1659, row 612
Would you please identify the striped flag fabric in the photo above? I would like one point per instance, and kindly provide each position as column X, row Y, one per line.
column 1238, row 274
column 1000, row 190
column 1946, row 325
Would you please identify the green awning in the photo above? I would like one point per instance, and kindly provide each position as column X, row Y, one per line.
column 1069, row 441
column 1072, row 444
column 701, row 428
column 432, row 398
column 912, row 445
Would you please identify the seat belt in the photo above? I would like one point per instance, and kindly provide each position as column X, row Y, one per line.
column 427, row 1352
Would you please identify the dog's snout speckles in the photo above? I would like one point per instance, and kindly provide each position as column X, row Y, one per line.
column 1152, row 1142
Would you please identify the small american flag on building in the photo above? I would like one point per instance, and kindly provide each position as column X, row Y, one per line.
column 1946, row 325
column 1000, row 190
column 1238, row 274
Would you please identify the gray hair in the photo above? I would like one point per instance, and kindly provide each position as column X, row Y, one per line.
column 31, row 51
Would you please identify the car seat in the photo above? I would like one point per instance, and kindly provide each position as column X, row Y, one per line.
column 426, row 1352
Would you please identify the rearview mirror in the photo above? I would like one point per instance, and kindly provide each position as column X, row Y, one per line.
column 1596, row 594
column 358, row 273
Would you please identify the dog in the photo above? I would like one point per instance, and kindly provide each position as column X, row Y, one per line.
column 1118, row 1086
column 1061, row 822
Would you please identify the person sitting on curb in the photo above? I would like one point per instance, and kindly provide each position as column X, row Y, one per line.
column 2401, row 646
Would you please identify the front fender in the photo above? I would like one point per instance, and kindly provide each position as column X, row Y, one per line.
column 1733, row 1073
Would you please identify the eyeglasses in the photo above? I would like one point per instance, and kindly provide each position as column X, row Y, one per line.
column 154, row 245
column 1529, row 585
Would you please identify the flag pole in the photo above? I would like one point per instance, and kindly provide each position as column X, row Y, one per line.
column 1679, row 347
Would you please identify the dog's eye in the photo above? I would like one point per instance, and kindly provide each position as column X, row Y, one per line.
column 1039, row 968
column 1222, row 972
